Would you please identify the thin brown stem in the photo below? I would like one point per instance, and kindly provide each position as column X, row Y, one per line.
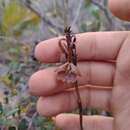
column 70, row 69
column 74, row 60
column 79, row 105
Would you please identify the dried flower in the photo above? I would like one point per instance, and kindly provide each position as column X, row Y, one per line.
column 68, row 73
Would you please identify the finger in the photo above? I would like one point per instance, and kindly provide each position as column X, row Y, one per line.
column 71, row 122
column 90, row 46
column 67, row 101
column 44, row 82
column 120, row 8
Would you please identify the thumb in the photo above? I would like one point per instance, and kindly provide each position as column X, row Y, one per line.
column 120, row 8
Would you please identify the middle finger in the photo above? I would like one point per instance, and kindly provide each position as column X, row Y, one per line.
column 44, row 83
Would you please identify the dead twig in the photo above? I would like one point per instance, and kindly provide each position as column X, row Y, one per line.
column 44, row 18
column 105, row 11
column 77, row 13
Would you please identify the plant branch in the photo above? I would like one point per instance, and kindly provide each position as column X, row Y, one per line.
column 104, row 9
column 44, row 18
column 77, row 13
column 10, row 39
column 66, row 13
column 30, row 123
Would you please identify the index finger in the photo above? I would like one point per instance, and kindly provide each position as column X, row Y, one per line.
column 90, row 46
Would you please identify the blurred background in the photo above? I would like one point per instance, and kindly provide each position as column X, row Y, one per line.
column 23, row 23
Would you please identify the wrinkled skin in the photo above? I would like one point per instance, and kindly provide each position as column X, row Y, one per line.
column 104, row 62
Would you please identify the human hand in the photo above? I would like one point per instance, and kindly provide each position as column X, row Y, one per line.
column 104, row 63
